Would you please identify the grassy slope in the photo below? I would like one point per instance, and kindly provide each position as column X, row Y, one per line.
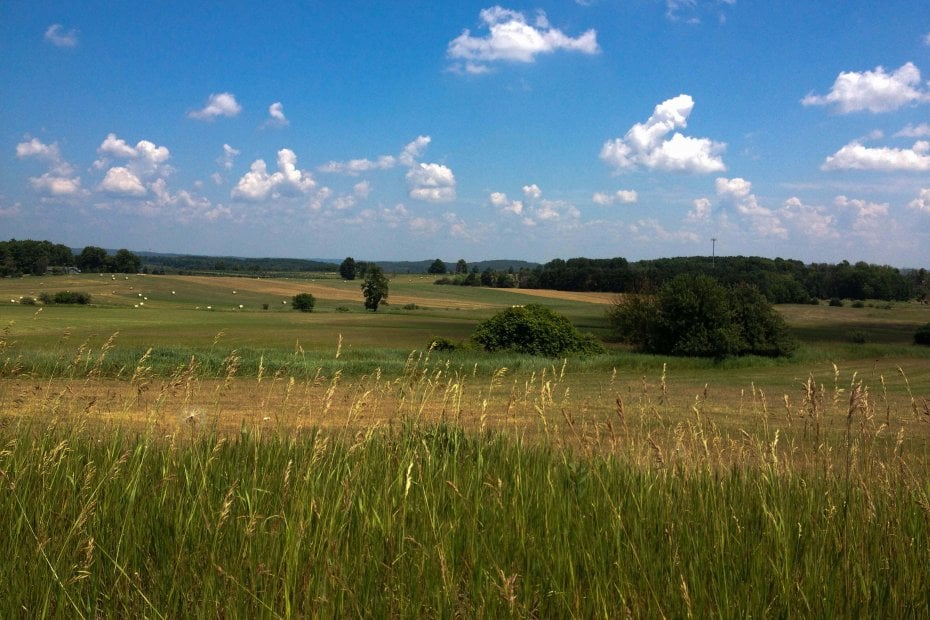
column 716, row 490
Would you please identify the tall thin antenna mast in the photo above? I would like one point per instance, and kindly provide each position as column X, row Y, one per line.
column 713, row 251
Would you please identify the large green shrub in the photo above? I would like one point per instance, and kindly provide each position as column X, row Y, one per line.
column 698, row 317
column 922, row 335
column 303, row 302
column 535, row 330
column 65, row 297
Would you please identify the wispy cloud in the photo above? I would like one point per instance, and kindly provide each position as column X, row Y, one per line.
column 59, row 37
column 276, row 116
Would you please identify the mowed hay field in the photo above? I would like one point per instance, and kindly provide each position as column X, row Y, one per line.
column 165, row 452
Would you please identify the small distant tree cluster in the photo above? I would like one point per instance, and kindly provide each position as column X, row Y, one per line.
column 696, row 316
column 488, row 277
column 374, row 287
column 65, row 297
column 303, row 302
column 535, row 330
column 96, row 260
column 437, row 268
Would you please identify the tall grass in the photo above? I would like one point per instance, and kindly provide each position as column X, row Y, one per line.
column 443, row 491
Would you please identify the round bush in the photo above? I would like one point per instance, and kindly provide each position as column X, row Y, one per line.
column 534, row 330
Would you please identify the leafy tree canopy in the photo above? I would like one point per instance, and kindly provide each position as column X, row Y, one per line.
column 698, row 317
column 374, row 287
column 348, row 268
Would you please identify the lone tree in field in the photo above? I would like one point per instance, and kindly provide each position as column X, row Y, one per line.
column 461, row 267
column 534, row 330
column 303, row 302
column 348, row 269
column 437, row 268
column 374, row 287
column 695, row 316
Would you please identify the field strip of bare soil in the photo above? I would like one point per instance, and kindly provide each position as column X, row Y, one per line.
column 593, row 298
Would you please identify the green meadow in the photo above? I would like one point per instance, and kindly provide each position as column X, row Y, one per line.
column 165, row 452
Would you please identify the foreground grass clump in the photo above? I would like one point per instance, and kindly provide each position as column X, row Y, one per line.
column 430, row 520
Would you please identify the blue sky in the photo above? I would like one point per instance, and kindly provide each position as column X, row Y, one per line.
column 415, row 130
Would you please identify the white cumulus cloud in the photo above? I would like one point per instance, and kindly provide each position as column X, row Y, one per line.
column 532, row 192
column 259, row 184
column 221, row 104
column 874, row 91
column 145, row 160
column 56, row 185
column 48, row 153
column 431, row 182
column 646, row 145
column 511, row 37
column 502, row 202
column 122, row 181
column 59, row 180
column 37, row 148
column 623, row 196
column 856, row 156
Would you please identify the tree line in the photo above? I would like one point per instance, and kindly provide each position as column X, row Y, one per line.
column 187, row 263
column 779, row 280
column 31, row 257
